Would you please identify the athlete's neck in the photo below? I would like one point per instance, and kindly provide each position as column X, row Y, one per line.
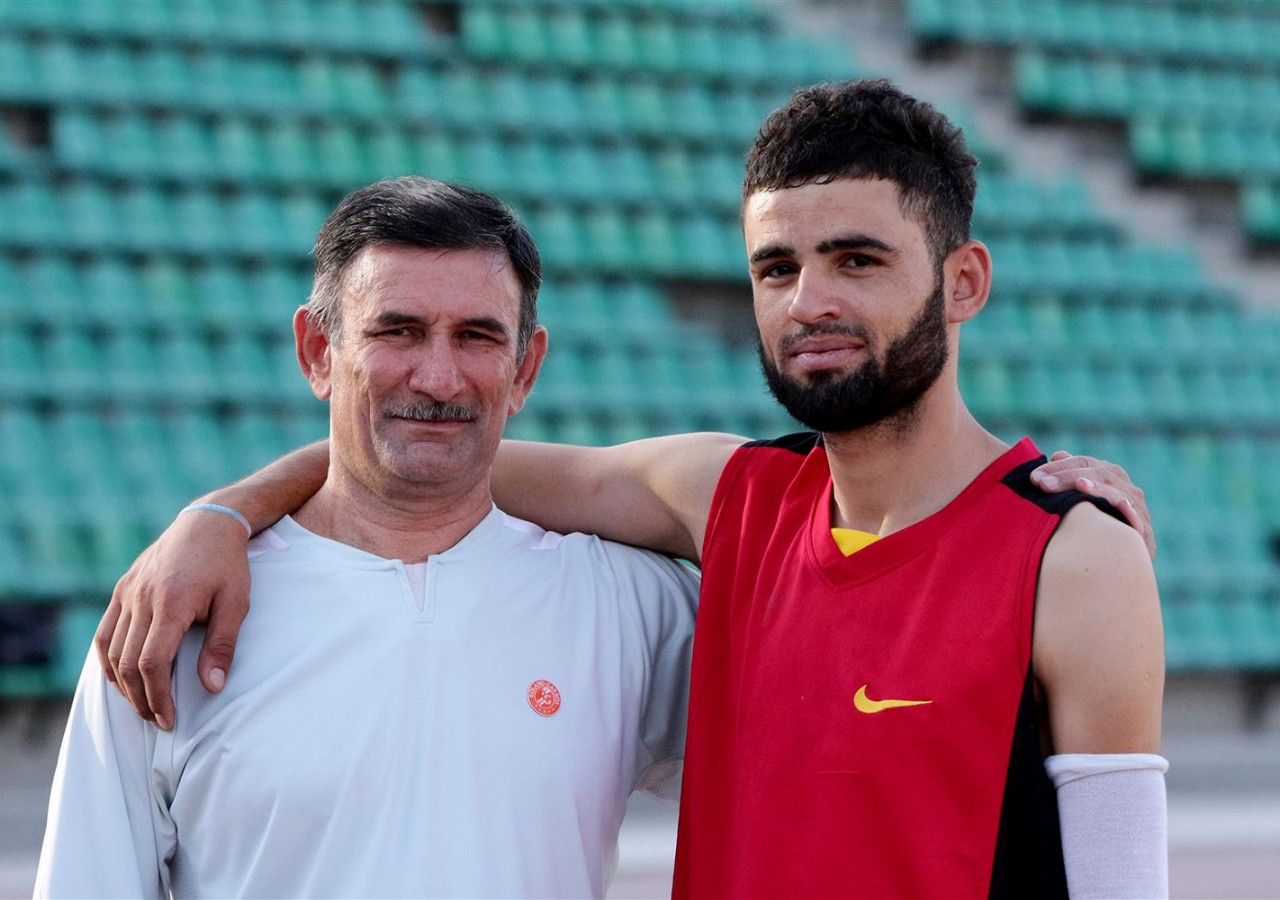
column 409, row 526
column 894, row 474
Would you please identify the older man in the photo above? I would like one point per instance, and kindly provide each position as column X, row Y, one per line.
column 434, row 699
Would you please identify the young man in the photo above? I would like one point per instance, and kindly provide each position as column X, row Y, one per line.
column 896, row 626
column 526, row 682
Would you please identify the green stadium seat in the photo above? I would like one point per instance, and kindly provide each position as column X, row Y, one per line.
column 203, row 449
column 147, row 218
column 91, row 216
column 341, row 154
column 569, row 35
column 54, row 282
column 237, row 145
column 543, row 168
column 21, row 369
column 482, row 29
column 200, row 222
column 169, row 289
column 10, row 287
column 659, row 37
column 610, row 245
column 583, row 171
column 290, row 153
column 464, row 98
column 559, row 105
column 185, row 148
column 484, row 163
column 129, row 146
column 1261, row 211
column 389, row 153
column 131, row 365
column 616, row 43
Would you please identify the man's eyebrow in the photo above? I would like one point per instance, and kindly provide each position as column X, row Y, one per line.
column 854, row 242
column 771, row 251
column 486, row 323
column 392, row 319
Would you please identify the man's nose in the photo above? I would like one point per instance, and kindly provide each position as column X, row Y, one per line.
column 814, row 300
column 435, row 371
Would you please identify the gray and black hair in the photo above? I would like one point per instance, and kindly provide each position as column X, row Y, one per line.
column 421, row 212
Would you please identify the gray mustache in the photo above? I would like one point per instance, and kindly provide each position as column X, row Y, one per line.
column 433, row 412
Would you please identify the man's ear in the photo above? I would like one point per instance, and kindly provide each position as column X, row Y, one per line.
column 967, row 273
column 527, row 371
column 313, row 352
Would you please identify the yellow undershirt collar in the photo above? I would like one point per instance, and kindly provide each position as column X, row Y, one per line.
column 850, row 540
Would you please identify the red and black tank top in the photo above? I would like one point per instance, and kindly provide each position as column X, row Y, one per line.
column 865, row 726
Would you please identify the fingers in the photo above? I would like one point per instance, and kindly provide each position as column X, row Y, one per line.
column 102, row 637
column 226, row 614
column 155, row 664
column 1101, row 479
column 1062, row 471
column 1137, row 518
column 128, row 668
column 116, row 647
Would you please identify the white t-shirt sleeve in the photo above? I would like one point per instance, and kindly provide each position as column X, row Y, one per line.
column 106, row 834
column 665, row 598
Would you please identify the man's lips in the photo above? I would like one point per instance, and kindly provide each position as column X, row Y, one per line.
column 432, row 423
column 825, row 353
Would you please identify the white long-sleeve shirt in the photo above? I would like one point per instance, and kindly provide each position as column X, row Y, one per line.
column 477, row 738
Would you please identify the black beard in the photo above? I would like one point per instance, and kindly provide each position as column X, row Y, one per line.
column 871, row 393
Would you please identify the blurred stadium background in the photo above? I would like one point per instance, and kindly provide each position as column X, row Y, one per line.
column 164, row 165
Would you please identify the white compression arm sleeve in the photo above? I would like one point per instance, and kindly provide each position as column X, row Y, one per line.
column 1115, row 830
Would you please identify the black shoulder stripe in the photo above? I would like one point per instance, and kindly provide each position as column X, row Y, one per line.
column 801, row 442
column 1019, row 481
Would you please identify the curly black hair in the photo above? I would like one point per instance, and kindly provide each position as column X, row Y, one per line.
column 871, row 129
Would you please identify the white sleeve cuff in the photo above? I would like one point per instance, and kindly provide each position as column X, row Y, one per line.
column 1114, row 823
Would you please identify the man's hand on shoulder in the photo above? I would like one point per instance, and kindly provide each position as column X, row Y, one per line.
column 196, row 571
column 1101, row 479
column 1099, row 647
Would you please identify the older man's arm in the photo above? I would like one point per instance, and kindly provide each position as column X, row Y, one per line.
column 107, row 834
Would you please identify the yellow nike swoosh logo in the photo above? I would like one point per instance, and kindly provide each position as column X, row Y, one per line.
column 867, row 705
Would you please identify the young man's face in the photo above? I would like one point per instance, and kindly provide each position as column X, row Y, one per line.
column 424, row 375
column 848, row 300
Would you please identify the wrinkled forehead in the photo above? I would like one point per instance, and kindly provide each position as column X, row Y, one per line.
column 384, row 275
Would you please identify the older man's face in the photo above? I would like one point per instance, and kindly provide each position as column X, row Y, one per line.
column 424, row 375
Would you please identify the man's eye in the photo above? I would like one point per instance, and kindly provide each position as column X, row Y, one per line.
column 860, row 261
column 781, row 270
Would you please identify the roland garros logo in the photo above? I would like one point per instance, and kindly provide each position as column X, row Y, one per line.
column 544, row 697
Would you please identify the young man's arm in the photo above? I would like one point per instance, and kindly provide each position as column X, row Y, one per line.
column 197, row 571
column 1099, row 658
column 654, row 493
column 105, row 835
